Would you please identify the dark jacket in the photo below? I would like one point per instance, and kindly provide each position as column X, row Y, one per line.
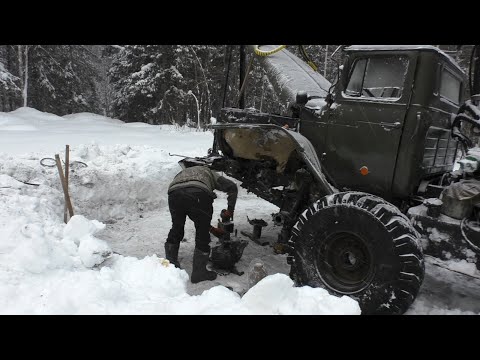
column 204, row 178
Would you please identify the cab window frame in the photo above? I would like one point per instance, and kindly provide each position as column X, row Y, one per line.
column 368, row 58
column 443, row 69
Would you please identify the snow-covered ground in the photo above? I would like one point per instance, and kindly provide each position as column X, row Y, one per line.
column 120, row 198
column 47, row 267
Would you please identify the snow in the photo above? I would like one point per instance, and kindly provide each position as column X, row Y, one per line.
column 278, row 290
column 463, row 266
column 80, row 230
column 436, row 235
column 468, row 166
column 109, row 258
column 425, row 308
column 433, row 201
column 88, row 266
column 446, row 293
column 53, row 132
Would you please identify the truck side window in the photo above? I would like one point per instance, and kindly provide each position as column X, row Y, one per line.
column 355, row 83
column 378, row 77
column 450, row 87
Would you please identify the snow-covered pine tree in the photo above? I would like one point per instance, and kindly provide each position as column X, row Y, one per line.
column 155, row 83
column 145, row 82
column 61, row 78
column 9, row 83
column 202, row 70
column 104, row 90
column 259, row 93
column 162, row 83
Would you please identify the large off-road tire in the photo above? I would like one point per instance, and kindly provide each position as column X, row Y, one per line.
column 359, row 245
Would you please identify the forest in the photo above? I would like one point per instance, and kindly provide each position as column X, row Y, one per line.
column 155, row 84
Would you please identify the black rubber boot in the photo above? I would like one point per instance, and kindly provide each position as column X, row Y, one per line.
column 199, row 271
column 171, row 253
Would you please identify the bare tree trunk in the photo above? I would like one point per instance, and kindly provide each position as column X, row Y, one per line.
column 241, row 102
column 206, row 83
column 227, row 64
column 71, row 102
column 263, row 93
column 326, row 59
column 20, row 66
column 198, row 113
column 195, row 71
column 9, row 97
column 198, row 109
column 25, row 88
column 254, row 92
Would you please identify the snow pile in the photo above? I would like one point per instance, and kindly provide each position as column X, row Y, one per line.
column 91, row 250
column 276, row 294
column 121, row 180
column 47, row 267
column 27, row 129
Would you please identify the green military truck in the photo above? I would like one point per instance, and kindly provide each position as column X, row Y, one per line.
column 351, row 169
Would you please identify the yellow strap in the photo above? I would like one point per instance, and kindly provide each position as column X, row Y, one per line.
column 312, row 65
column 279, row 48
column 268, row 53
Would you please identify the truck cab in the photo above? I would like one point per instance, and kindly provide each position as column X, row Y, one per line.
column 388, row 128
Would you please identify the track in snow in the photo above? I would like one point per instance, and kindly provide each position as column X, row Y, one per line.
column 140, row 235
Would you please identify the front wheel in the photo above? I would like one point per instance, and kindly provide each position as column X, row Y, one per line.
column 359, row 245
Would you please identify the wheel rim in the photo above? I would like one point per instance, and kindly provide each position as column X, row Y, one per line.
column 344, row 262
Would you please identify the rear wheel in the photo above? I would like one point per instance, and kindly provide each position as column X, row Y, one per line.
column 359, row 245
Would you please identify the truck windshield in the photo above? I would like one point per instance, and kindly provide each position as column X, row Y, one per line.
column 378, row 77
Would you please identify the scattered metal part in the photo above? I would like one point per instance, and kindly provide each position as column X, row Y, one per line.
column 258, row 224
column 50, row 162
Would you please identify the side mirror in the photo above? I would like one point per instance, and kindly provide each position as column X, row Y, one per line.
column 302, row 98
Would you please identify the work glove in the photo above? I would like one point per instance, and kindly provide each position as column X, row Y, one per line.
column 229, row 213
column 217, row 232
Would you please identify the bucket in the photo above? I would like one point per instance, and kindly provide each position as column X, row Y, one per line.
column 455, row 208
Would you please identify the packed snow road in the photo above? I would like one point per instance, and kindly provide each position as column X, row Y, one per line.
column 120, row 199
column 443, row 291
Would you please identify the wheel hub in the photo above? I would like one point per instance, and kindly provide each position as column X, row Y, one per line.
column 349, row 259
column 345, row 263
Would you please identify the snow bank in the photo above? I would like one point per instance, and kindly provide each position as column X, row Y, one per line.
column 47, row 267
column 29, row 130
column 276, row 294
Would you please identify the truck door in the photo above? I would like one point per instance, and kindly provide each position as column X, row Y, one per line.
column 365, row 123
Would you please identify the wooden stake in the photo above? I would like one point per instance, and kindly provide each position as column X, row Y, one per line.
column 64, row 185
column 67, row 163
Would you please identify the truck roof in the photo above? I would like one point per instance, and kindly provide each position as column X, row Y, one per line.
column 404, row 47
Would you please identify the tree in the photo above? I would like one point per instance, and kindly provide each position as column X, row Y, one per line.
column 151, row 83
column 54, row 78
column 62, row 79
column 9, row 83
